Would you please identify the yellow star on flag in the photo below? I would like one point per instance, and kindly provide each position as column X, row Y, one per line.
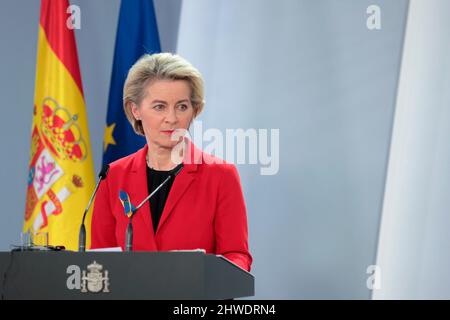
column 108, row 137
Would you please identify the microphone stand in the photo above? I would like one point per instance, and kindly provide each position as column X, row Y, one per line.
column 129, row 233
column 82, row 234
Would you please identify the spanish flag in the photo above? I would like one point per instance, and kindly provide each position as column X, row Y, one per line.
column 61, row 173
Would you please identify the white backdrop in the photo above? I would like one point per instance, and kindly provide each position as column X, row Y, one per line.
column 414, row 244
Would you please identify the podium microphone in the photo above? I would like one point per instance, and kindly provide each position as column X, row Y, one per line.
column 82, row 235
column 132, row 209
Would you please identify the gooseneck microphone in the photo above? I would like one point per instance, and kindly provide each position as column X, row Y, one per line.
column 129, row 234
column 82, row 235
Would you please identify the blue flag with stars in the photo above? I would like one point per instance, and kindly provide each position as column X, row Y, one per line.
column 137, row 34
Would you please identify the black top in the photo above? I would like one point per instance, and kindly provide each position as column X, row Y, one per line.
column 157, row 202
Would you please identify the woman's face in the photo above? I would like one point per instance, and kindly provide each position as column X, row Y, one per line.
column 165, row 108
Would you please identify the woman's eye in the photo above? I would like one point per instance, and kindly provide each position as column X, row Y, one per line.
column 158, row 107
column 182, row 107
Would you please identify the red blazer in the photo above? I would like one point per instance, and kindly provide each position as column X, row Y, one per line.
column 205, row 209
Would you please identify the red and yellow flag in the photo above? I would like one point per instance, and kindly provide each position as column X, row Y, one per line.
column 61, row 172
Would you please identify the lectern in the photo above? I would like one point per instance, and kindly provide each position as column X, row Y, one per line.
column 121, row 275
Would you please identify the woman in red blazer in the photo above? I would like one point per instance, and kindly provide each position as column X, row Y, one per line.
column 203, row 207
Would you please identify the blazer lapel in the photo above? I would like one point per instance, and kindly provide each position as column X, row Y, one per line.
column 179, row 187
column 139, row 191
column 182, row 181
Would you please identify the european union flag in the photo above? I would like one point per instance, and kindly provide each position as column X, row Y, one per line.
column 137, row 34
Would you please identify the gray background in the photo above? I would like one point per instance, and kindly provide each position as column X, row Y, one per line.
column 310, row 68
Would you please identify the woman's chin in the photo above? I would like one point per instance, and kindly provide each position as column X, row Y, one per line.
column 166, row 143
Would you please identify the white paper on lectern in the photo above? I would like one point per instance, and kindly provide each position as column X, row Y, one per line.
column 190, row 250
column 113, row 249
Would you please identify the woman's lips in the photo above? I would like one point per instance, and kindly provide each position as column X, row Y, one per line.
column 168, row 132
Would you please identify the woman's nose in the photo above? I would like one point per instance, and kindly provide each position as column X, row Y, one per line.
column 171, row 116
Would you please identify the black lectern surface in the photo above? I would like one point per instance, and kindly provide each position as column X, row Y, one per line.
column 121, row 275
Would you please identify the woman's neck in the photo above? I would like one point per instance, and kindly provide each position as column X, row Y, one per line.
column 160, row 158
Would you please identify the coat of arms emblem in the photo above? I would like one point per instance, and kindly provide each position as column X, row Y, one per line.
column 95, row 280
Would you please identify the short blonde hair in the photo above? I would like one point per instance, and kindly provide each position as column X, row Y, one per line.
column 160, row 66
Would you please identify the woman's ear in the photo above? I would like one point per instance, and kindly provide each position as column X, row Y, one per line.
column 135, row 111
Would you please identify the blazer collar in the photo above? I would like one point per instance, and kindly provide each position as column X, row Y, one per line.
column 192, row 157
